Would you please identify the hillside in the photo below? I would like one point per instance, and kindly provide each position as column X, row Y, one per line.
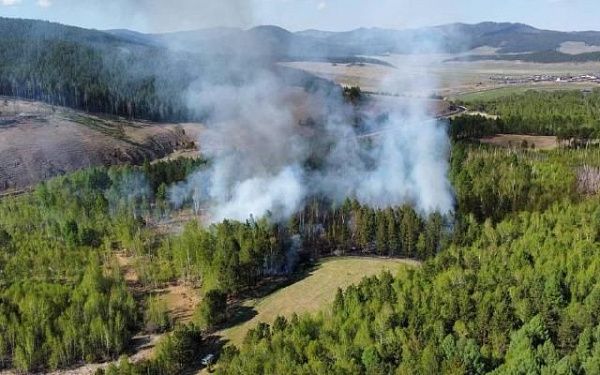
column 38, row 141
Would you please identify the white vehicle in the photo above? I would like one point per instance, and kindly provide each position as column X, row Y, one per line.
column 208, row 360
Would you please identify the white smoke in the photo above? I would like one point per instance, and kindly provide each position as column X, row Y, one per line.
column 261, row 153
column 280, row 194
column 410, row 154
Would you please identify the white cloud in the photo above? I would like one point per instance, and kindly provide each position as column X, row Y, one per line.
column 322, row 5
column 44, row 3
column 9, row 2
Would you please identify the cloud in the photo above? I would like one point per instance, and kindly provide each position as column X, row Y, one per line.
column 322, row 5
column 44, row 3
column 9, row 2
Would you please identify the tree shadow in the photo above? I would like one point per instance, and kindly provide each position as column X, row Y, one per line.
column 239, row 314
column 272, row 284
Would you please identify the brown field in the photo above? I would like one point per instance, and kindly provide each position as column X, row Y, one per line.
column 446, row 78
column 540, row 142
column 39, row 141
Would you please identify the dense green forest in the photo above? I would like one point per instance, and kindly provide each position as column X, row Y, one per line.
column 523, row 207
column 134, row 82
column 64, row 299
column 512, row 287
column 566, row 114
column 99, row 72
column 516, row 291
column 510, row 282
column 521, row 298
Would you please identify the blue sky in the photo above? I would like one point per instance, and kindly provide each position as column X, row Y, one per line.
column 173, row 15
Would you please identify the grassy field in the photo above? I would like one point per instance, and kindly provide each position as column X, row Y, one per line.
column 449, row 79
column 314, row 292
column 492, row 94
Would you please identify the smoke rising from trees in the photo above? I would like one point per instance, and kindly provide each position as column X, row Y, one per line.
column 262, row 156
column 273, row 144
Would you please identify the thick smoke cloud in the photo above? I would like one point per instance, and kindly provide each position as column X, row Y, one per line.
column 273, row 144
column 260, row 151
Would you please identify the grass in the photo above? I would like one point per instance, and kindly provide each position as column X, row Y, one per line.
column 493, row 94
column 314, row 292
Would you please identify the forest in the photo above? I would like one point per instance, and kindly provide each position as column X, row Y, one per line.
column 509, row 283
column 521, row 206
column 98, row 72
column 566, row 114
column 94, row 79
column 515, row 291
column 58, row 245
column 520, row 298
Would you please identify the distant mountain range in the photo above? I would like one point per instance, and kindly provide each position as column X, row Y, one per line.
column 280, row 44
column 507, row 38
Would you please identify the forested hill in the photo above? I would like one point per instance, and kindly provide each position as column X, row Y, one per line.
column 90, row 70
column 146, row 76
column 34, row 30
column 99, row 72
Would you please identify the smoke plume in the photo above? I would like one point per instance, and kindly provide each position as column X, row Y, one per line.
column 274, row 142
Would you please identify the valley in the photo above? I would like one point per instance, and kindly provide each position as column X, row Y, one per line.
column 246, row 199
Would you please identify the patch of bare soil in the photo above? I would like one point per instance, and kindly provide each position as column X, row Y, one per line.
column 181, row 300
column 39, row 141
column 538, row 142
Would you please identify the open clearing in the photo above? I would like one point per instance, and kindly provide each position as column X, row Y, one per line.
column 540, row 142
column 181, row 299
column 575, row 48
column 314, row 292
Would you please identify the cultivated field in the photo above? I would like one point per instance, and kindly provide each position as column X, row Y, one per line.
column 314, row 292
column 445, row 77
